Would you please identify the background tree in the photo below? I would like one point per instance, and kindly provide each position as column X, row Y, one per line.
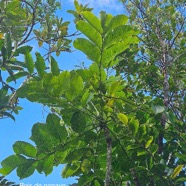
column 20, row 23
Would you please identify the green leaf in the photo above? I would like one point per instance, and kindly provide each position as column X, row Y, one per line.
column 87, row 47
column 21, row 147
column 10, row 163
column 40, row 65
column 8, row 45
column 134, row 126
column 105, row 20
column 181, row 156
column 87, row 96
column 123, row 118
column 93, row 21
column 90, row 32
column 7, row 114
column 76, row 87
column 46, row 164
column 64, row 81
column 41, row 137
column 10, row 71
column 181, row 179
column 23, row 50
column 77, row 6
column 85, row 166
column 157, row 109
column 78, row 122
column 141, row 152
column 117, row 21
column 16, row 75
column 58, row 131
column 27, row 169
column 86, row 178
column 110, row 53
column 142, row 131
column 149, row 141
column 29, row 62
column 69, row 170
column 54, row 67
column 4, row 54
column 123, row 33
column 154, row 148
column 177, row 170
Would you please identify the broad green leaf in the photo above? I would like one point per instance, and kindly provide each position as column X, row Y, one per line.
column 40, row 65
column 142, row 131
column 78, row 122
column 87, row 47
column 24, row 148
column 69, row 170
column 134, row 126
column 110, row 53
column 76, row 87
column 41, row 137
column 46, row 82
column 177, row 170
column 16, row 76
column 56, row 129
column 97, row 183
column 77, row 6
column 64, row 81
column 93, row 20
column 29, row 62
column 27, row 169
column 75, row 155
column 85, row 166
column 123, row 33
column 105, row 20
column 46, row 164
column 23, row 50
column 54, row 67
column 86, row 179
column 149, row 141
column 123, row 118
column 87, row 96
column 117, row 21
column 8, row 45
column 94, row 70
column 90, row 32
column 10, row 163
column 158, row 109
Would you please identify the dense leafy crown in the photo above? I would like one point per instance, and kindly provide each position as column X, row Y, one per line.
column 110, row 123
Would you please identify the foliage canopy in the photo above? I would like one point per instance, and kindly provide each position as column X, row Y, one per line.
column 119, row 121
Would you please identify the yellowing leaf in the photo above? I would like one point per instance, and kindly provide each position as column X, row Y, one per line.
column 177, row 170
column 123, row 118
column 40, row 43
column 149, row 141
column 1, row 35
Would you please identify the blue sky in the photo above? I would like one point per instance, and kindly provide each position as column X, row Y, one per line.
column 20, row 130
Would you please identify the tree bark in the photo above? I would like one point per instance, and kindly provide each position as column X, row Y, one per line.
column 109, row 156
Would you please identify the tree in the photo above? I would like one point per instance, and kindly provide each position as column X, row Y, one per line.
column 108, row 120
column 19, row 20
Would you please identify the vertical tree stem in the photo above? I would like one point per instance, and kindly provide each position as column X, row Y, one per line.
column 109, row 157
